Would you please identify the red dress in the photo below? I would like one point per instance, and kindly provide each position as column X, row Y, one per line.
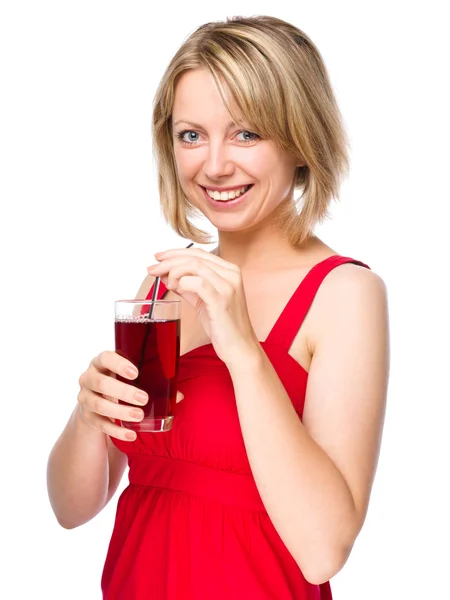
column 191, row 524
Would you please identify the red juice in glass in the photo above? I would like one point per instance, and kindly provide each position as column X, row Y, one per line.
column 153, row 346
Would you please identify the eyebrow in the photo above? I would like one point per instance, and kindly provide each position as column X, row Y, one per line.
column 197, row 126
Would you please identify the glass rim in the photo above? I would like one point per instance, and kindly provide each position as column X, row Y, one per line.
column 149, row 301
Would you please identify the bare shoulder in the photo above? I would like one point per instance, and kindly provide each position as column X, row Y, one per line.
column 146, row 286
column 350, row 293
column 351, row 278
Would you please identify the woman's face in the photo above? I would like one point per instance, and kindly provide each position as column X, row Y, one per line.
column 215, row 157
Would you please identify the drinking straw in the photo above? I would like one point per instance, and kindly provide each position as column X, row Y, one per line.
column 156, row 289
column 149, row 315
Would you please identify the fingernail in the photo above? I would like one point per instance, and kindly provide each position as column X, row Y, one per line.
column 141, row 397
column 136, row 413
column 131, row 372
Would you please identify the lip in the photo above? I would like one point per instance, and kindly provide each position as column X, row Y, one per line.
column 215, row 188
column 229, row 203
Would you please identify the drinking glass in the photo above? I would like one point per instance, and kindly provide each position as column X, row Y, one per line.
column 147, row 333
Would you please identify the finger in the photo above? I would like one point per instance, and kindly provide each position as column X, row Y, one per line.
column 166, row 265
column 111, row 398
column 111, row 361
column 98, row 405
column 202, row 288
column 109, row 386
column 198, row 253
column 221, row 282
column 194, row 266
column 116, row 431
column 180, row 397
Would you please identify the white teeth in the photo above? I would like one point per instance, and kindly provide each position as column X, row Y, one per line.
column 224, row 196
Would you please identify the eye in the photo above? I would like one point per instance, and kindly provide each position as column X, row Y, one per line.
column 187, row 136
column 248, row 137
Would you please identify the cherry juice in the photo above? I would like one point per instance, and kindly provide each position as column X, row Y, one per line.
column 154, row 348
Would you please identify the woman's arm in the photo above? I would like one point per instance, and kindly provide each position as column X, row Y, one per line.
column 83, row 472
column 315, row 477
column 84, row 468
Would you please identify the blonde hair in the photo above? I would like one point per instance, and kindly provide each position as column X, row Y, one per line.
column 279, row 86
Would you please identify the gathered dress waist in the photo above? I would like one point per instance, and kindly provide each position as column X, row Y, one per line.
column 225, row 487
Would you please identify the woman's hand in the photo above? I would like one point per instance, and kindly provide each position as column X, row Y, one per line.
column 100, row 392
column 214, row 288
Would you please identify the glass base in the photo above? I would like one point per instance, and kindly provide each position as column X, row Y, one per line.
column 150, row 424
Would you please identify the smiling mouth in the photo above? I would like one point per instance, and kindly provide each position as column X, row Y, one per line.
column 224, row 196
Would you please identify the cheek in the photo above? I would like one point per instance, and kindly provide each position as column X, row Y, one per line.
column 284, row 166
column 187, row 165
column 263, row 162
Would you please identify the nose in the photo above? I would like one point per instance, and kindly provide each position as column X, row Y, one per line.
column 218, row 161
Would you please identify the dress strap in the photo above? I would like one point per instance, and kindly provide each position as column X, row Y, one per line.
column 290, row 320
column 161, row 291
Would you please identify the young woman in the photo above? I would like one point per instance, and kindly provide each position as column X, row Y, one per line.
column 262, row 486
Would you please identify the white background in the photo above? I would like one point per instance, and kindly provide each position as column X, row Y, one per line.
column 80, row 222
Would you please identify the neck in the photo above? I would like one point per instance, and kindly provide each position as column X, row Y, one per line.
column 260, row 252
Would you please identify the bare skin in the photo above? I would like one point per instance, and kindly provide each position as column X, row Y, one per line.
column 282, row 275
column 319, row 499
column 84, row 467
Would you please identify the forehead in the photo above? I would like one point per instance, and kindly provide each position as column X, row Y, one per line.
column 198, row 99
